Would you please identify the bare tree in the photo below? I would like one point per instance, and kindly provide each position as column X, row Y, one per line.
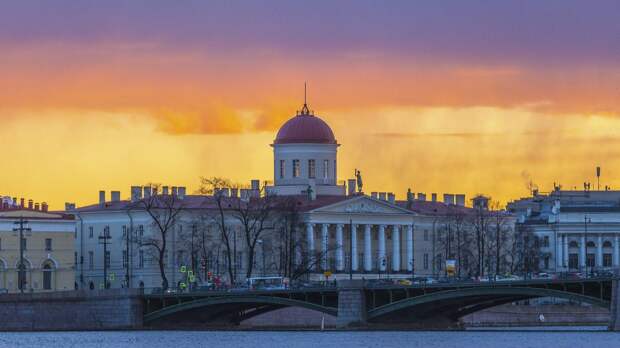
column 164, row 210
column 211, row 186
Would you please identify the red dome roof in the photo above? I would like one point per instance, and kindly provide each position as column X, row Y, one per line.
column 305, row 128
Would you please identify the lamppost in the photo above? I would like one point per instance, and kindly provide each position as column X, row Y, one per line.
column 22, row 241
column 586, row 221
column 105, row 240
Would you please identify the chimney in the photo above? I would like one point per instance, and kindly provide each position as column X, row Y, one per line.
column 164, row 190
column 102, row 198
column 44, row 207
column 391, row 198
column 373, row 195
column 448, row 199
column 351, row 186
column 22, row 203
column 148, row 191
column 181, row 192
column 174, row 190
column 234, row 192
column 37, row 206
column 136, row 193
column 14, row 201
column 115, row 196
column 382, row 196
column 460, row 200
column 255, row 184
column 421, row 197
column 69, row 206
column 434, row 197
column 30, row 204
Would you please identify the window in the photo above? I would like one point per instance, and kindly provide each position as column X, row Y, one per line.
column 335, row 176
column 426, row 235
column 47, row 277
column 325, row 169
column 124, row 232
column 141, row 259
column 606, row 260
column 573, row 261
column 91, row 231
column 311, row 169
column 425, row 261
column 48, row 244
column 546, row 260
column 91, row 260
column 125, row 258
column 75, row 258
column 107, row 259
column 590, row 260
column 296, row 169
column 282, row 169
column 140, row 233
column 546, row 242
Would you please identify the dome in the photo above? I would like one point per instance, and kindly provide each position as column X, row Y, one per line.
column 305, row 128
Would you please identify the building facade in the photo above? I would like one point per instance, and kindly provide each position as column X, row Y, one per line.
column 579, row 230
column 47, row 249
column 332, row 227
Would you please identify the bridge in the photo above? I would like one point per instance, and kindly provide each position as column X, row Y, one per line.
column 358, row 303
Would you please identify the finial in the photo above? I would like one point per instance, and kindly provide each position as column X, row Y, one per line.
column 305, row 110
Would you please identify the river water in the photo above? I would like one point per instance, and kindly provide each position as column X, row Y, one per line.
column 587, row 337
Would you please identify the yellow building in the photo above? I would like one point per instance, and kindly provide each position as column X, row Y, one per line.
column 48, row 249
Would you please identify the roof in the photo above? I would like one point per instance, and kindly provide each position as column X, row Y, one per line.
column 433, row 208
column 305, row 128
column 34, row 214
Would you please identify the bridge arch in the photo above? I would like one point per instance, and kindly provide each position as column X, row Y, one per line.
column 261, row 303
column 479, row 298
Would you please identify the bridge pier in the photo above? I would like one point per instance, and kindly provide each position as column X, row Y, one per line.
column 351, row 304
column 614, row 311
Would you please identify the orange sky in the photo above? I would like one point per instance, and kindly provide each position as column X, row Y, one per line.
column 469, row 114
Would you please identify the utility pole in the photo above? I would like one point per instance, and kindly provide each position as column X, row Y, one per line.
column 21, row 271
column 105, row 240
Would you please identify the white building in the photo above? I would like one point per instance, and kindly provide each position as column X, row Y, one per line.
column 346, row 230
column 579, row 230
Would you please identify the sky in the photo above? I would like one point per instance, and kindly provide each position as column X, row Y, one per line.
column 437, row 96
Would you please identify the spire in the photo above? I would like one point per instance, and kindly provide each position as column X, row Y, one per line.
column 305, row 110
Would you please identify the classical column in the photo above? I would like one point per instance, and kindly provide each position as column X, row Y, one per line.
column 582, row 252
column 354, row 261
column 310, row 239
column 565, row 253
column 599, row 251
column 324, row 246
column 381, row 248
column 616, row 251
column 409, row 240
column 396, row 248
column 559, row 249
column 339, row 248
column 367, row 249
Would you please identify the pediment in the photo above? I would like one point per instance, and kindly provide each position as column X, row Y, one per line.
column 362, row 205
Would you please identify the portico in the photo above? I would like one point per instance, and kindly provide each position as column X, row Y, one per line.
column 360, row 234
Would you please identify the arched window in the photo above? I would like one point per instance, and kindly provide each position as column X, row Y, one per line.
column 590, row 244
column 573, row 244
column 607, row 244
column 91, row 285
column 48, row 273
column 22, row 274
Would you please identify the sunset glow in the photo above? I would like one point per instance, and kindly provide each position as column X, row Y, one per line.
column 436, row 98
